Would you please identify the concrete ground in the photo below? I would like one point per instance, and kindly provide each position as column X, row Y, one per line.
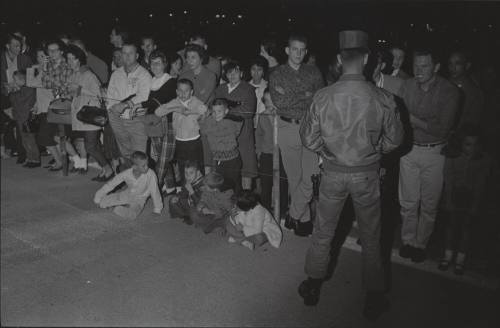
column 65, row 262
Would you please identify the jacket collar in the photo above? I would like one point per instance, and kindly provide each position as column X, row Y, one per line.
column 352, row 77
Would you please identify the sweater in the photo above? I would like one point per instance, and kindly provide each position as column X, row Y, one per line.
column 222, row 137
column 123, row 85
column 141, row 188
column 185, row 124
column 258, row 220
column 220, row 202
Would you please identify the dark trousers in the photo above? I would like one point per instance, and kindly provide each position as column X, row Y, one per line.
column 94, row 148
column 191, row 150
column 231, row 171
column 21, row 151
column 364, row 188
column 266, row 182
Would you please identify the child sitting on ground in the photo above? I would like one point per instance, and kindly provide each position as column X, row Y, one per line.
column 190, row 194
column 141, row 183
column 465, row 178
column 251, row 224
column 222, row 134
column 215, row 204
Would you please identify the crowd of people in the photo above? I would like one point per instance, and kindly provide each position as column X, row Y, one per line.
column 196, row 132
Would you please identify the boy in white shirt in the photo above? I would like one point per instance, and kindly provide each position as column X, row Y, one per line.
column 141, row 184
column 187, row 111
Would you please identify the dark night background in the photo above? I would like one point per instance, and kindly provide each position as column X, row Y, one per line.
column 474, row 25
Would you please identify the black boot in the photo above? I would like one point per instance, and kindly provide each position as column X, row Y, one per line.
column 304, row 229
column 309, row 290
column 290, row 223
column 375, row 304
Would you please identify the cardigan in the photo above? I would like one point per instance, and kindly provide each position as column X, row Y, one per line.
column 204, row 83
column 90, row 90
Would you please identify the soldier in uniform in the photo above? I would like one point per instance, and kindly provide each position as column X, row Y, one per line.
column 350, row 124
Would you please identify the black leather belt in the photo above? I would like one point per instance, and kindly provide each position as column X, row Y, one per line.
column 430, row 145
column 290, row 120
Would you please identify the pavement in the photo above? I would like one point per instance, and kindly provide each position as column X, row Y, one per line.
column 65, row 262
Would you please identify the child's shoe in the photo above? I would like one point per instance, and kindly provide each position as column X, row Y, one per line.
column 248, row 244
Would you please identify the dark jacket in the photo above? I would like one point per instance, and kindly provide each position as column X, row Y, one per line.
column 23, row 62
column 350, row 124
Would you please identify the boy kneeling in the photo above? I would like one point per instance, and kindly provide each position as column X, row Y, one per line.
column 141, row 183
column 190, row 194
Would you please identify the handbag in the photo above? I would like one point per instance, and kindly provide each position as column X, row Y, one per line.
column 32, row 124
column 93, row 115
column 59, row 111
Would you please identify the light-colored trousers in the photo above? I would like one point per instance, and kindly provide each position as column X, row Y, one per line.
column 125, row 204
column 420, row 187
column 300, row 164
column 130, row 135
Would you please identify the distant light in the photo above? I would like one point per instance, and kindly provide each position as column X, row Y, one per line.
column 38, row 23
column 208, row 22
column 475, row 30
column 411, row 25
column 217, row 16
column 171, row 15
column 490, row 25
column 289, row 19
column 80, row 23
column 185, row 12
column 116, row 19
column 233, row 23
column 223, row 15
column 150, row 15
column 240, row 16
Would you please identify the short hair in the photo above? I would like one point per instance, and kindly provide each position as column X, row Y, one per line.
column 158, row 54
column 231, row 66
column 122, row 32
column 139, row 155
column 77, row 52
column 427, row 51
column 42, row 49
column 397, row 46
column 260, row 62
column 220, row 102
column 173, row 57
column 79, row 43
column 199, row 50
column 462, row 52
column 130, row 44
column 271, row 47
column 246, row 200
column 11, row 37
column 148, row 37
column 297, row 37
column 352, row 54
column 191, row 164
column 186, row 82
column 198, row 35
column 60, row 44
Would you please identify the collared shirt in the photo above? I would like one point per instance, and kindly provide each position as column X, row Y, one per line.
column 259, row 93
column 140, row 188
column 437, row 106
column 56, row 77
column 471, row 102
column 123, row 85
column 292, row 90
column 11, row 67
column 231, row 88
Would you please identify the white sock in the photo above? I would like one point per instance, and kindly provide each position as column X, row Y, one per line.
column 448, row 254
column 83, row 163
column 76, row 161
column 460, row 258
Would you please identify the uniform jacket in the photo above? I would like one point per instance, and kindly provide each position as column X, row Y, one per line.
column 350, row 124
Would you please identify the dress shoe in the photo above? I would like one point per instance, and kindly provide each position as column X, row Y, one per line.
column 418, row 255
column 375, row 305
column 304, row 229
column 50, row 164
column 406, row 251
column 309, row 290
column 55, row 168
column 21, row 160
column 31, row 165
